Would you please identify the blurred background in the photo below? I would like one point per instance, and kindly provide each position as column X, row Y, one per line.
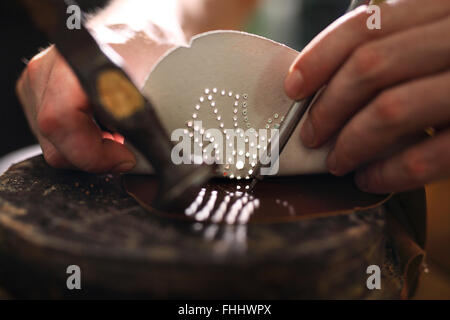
column 20, row 41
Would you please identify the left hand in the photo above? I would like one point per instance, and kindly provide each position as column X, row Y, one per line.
column 382, row 86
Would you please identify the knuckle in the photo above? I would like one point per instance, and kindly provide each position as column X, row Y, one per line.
column 315, row 115
column 318, row 118
column 389, row 108
column 359, row 14
column 40, row 64
column 88, row 163
column 357, row 17
column 377, row 179
column 48, row 122
column 414, row 166
column 367, row 62
column 53, row 158
column 342, row 154
column 320, row 115
column 85, row 156
column 34, row 68
column 345, row 146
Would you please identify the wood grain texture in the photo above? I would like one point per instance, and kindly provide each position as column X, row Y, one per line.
column 50, row 219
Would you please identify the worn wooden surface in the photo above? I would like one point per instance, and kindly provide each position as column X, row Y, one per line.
column 50, row 219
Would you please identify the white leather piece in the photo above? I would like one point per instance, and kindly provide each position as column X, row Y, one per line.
column 233, row 61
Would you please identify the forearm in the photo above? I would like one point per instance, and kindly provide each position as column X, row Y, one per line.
column 199, row 16
column 142, row 31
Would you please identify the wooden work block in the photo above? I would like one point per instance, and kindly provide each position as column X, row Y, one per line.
column 51, row 219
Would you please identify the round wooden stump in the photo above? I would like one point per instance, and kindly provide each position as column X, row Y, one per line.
column 51, row 219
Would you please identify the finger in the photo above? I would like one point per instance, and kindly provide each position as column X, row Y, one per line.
column 32, row 83
column 376, row 65
column 65, row 120
column 25, row 96
column 38, row 72
column 52, row 156
column 27, row 100
column 320, row 59
column 394, row 114
column 426, row 162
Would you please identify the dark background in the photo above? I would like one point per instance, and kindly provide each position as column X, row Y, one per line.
column 21, row 41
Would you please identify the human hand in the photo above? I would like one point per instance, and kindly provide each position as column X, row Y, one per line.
column 382, row 86
column 60, row 116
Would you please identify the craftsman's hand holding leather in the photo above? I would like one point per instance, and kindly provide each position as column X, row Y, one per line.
column 382, row 85
column 61, row 118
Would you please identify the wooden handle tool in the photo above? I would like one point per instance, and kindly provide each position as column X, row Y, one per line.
column 118, row 105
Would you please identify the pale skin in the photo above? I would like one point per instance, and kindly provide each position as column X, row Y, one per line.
column 381, row 86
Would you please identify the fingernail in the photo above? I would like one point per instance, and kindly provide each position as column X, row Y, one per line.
column 294, row 84
column 332, row 162
column 307, row 133
column 123, row 167
column 361, row 181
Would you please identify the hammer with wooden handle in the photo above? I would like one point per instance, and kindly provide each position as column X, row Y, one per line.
column 118, row 105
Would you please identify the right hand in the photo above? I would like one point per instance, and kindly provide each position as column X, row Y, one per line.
column 60, row 116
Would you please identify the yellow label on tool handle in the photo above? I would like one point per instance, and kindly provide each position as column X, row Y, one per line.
column 118, row 95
